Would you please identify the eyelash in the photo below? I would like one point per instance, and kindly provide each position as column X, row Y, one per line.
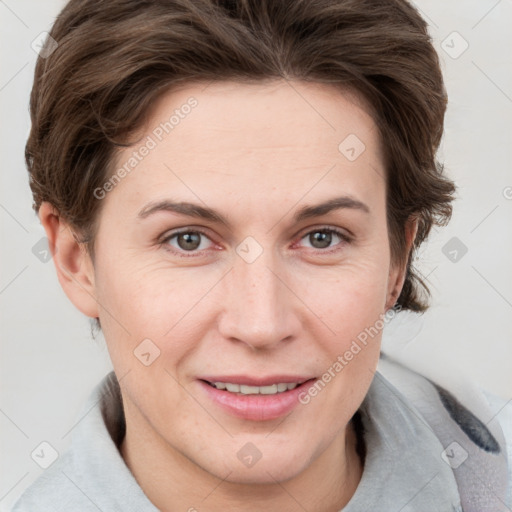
column 193, row 254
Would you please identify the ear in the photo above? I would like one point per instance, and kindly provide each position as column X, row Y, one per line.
column 74, row 266
column 397, row 274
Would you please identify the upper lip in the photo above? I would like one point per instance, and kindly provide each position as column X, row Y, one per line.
column 257, row 381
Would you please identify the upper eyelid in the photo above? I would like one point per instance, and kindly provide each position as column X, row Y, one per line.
column 334, row 229
column 171, row 234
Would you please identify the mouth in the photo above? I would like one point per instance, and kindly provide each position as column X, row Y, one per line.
column 255, row 400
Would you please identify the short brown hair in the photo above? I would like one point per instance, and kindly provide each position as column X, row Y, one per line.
column 114, row 58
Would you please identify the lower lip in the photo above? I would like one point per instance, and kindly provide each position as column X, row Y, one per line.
column 256, row 407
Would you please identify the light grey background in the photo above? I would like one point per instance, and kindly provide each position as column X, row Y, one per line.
column 50, row 363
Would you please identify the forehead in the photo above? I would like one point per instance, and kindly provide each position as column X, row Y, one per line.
column 257, row 113
column 276, row 135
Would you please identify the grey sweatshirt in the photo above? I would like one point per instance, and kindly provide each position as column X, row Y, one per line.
column 408, row 466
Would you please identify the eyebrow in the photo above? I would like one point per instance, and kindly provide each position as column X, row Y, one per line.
column 202, row 212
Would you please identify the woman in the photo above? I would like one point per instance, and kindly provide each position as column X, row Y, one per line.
column 234, row 190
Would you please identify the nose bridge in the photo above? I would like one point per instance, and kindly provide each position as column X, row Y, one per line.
column 258, row 305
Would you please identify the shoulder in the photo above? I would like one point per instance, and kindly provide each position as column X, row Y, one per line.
column 91, row 475
column 65, row 484
column 51, row 490
column 473, row 426
column 502, row 409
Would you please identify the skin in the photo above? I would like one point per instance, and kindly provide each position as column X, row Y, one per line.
column 256, row 153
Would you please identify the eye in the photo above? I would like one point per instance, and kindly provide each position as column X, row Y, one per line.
column 187, row 241
column 190, row 241
column 322, row 238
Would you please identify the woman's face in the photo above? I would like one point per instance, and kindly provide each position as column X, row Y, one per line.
column 263, row 296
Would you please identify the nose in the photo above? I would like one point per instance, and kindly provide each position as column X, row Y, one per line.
column 259, row 306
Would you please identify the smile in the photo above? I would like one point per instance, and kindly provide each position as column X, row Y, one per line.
column 249, row 401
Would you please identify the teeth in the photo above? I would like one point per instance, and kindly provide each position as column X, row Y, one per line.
column 249, row 390
column 268, row 390
column 255, row 390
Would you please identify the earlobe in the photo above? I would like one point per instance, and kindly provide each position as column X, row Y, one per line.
column 397, row 275
column 73, row 264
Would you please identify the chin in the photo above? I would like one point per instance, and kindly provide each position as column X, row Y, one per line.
column 266, row 470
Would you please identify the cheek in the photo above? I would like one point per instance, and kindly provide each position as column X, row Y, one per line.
column 152, row 302
column 137, row 292
column 353, row 308
column 348, row 298
column 355, row 312
column 358, row 328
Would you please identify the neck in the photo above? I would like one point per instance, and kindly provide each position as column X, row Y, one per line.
column 173, row 482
